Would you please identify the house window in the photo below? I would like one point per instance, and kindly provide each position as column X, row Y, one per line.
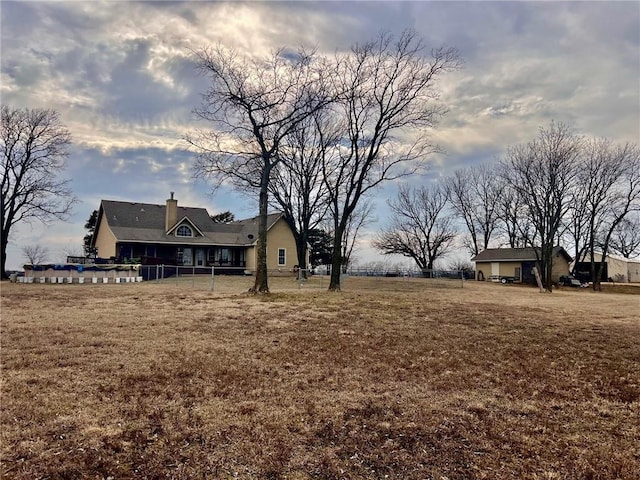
column 187, row 256
column 184, row 231
column 282, row 256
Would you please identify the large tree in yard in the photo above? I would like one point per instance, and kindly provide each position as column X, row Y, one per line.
column 514, row 224
column 34, row 146
column 387, row 103
column 542, row 173
column 252, row 105
column 474, row 193
column 297, row 186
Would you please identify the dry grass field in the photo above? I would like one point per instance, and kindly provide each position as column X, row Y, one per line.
column 388, row 379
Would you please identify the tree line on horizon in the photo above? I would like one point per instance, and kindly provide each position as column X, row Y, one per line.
column 559, row 188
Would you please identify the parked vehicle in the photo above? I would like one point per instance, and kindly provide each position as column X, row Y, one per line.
column 569, row 281
column 502, row 279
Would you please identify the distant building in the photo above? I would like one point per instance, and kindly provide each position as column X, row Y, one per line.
column 516, row 264
column 633, row 270
column 616, row 268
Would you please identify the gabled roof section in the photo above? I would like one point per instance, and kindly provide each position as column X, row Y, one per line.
column 148, row 215
column 182, row 222
column 145, row 222
column 249, row 226
column 515, row 254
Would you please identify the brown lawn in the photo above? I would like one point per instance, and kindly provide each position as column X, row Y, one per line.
column 389, row 379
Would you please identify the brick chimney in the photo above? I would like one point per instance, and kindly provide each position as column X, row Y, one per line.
column 171, row 215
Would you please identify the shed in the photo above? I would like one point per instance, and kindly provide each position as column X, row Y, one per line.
column 517, row 264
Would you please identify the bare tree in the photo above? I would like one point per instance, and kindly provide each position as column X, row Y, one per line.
column 514, row 223
column 474, row 193
column 35, row 254
column 610, row 176
column 297, row 186
column 421, row 228
column 543, row 173
column 387, row 103
column 253, row 105
column 34, row 149
column 625, row 239
column 577, row 222
column 461, row 265
column 360, row 218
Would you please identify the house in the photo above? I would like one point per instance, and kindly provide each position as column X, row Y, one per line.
column 174, row 235
column 517, row 263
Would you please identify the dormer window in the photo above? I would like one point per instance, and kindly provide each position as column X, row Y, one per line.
column 184, row 231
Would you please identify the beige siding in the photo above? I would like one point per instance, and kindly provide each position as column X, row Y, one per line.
column 505, row 269
column 633, row 269
column 508, row 269
column 279, row 237
column 560, row 267
column 485, row 268
column 250, row 259
column 617, row 268
column 106, row 240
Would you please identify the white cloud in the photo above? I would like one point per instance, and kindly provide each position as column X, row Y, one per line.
column 121, row 76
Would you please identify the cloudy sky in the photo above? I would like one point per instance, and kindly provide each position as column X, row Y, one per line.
column 122, row 77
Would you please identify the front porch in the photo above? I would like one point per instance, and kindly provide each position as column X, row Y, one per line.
column 227, row 258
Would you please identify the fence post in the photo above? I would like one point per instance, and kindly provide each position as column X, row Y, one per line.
column 212, row 269
column 193, row 276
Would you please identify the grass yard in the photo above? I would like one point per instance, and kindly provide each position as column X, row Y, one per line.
column 388, row 379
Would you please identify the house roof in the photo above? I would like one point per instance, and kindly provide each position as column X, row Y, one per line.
column 514, row 254
column 145, row 223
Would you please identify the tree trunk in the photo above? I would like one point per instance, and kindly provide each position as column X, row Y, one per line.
column 596, row 277
column 548, row 273
column 301, row 248
column 336, row 261
column 3, row 256
column 261, row 284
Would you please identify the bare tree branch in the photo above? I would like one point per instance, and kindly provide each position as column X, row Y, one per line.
column 474, row 195
column 542, row 173
column 387, row 103
column 35, row 254
column 34, row 148
column 252, row 106
column 421, row 228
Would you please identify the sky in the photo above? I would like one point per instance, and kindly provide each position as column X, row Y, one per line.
column 122, row 77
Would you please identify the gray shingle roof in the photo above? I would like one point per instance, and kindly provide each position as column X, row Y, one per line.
column 145, row 222
column 513, row 254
